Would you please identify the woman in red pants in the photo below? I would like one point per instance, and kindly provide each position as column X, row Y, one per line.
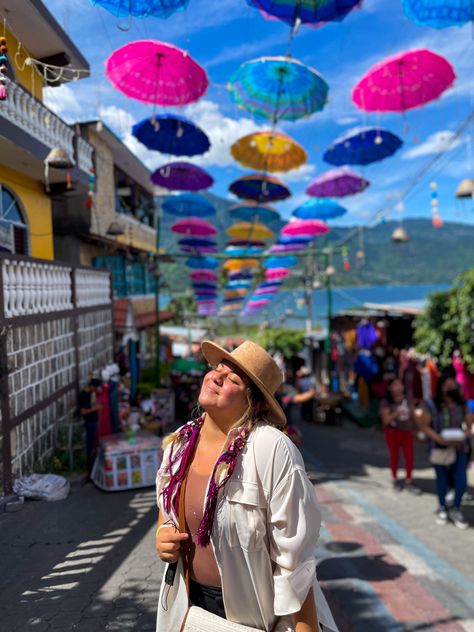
column 397, row 419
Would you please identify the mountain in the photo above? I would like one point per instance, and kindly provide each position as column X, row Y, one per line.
column 431, row 256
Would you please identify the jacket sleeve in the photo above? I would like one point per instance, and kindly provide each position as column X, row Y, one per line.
column 294, row 520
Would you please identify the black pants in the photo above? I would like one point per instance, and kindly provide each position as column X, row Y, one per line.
column 207, row 597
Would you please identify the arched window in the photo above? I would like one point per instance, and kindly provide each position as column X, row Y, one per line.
column 13, row 227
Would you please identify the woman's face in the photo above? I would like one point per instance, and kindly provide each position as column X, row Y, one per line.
column 224, row 388
column 396, row 388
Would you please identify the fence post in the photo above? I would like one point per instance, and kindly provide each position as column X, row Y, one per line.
column 4, row 395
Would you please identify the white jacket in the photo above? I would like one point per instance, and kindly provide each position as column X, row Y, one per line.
column 264, row 537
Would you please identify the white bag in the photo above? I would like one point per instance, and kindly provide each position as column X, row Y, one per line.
column 42, row 487
column 199, row 620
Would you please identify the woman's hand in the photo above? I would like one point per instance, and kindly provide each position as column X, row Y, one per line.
column 168, row 542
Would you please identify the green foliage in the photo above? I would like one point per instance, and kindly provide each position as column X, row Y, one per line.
column 182, row 307
column 287, row 341
column 448, row 322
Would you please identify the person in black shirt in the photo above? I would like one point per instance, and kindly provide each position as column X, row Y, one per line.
column 89, row 411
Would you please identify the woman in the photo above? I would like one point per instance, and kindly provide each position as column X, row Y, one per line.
column 437, row 420
column 398, row 428
column 251, row 519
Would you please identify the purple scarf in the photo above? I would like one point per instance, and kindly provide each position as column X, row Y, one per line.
column 186, row 443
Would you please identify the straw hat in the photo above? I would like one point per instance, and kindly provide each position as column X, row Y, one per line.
column 257, row 365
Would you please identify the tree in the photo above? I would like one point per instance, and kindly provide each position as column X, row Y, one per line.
column 182, row 307
column 288, row 342
column 448, row 322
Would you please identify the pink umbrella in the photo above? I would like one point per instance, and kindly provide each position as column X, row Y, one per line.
column 337, row 183
column 195, row 226
column 155, row 72
column 258, row 302
column 266, row 290
column 276, row 273
column 403, row 81
column 305, row 227
column 203, row 275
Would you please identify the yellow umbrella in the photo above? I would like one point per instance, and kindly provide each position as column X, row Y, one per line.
column 268, row 151
column 234, row 265
column 252, row 231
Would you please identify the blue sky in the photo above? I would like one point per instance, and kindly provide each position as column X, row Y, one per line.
column 221, row 34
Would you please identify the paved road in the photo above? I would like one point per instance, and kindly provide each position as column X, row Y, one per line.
column 88, row 563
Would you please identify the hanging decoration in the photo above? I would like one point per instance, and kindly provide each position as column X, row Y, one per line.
column 188, row 204
column 194, row 226
column 182, row 176
column 362, row 146
column 337, row 183
column 437, row 221
column 319, row 208
column 346, row 264
column 298, row 227
column 311, row 12
column 4, row 63
column 171, row 134
column 91, row 190
column 268, row 151
column 156, row 72
column 278, row 88
column 58, row 159
column 439, row 14
column 250, row 230
column 404, row 81
column 142, row 8
column 260, row 187
column 360, row 254
column 254, row 212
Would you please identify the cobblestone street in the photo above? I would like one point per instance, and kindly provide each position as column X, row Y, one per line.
column 88, row 563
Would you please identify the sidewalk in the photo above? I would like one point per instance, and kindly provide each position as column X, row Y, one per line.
column 88, row 563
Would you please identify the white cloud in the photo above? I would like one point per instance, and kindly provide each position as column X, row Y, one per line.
column 346, row 120
column 119, row 120
column 63, row 102
column 302, row 174
column 438, row 142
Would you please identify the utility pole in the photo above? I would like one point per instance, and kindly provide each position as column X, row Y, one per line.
column 157, row 294
column 327, row 342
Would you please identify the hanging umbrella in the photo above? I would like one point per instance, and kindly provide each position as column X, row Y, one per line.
column 155, row 72
column 276, row 274
column 265, row 291
column 201, row 297
column 187, row 204
column 196, row 242
column 142, row 8
column 362, row 146
column 245, row 251
column 306, row 11
column 235, row 292
column 249, row 230
column 203, row 285
column 203, row 275
column 286, row 248
column 258, row 302
column 260, row 188
column 240, row 274
column 323, row 209
column 206, row 263
column 278, row 88
column 241, row 243
column 202, row 250
column 252, row 212
column 268, row 151
column 301, row 239
column 209, row 292
column 182, row 176
column 439, row 13
column 337, row 183
column 194, row 226
column 403, row 81
column 279, row 262
column 171, row 134
column 237, row 265
column 206, row 302
column 298, row 227
column 237, row 285
column 271, row 284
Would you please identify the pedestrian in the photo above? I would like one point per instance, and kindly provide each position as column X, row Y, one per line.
column 447, row 422
column 238, row 516
column 397, row 420
column 89, row 411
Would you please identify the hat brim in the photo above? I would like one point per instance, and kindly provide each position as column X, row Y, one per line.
column 215, row 354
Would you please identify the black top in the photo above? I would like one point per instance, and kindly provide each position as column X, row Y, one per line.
column 85, row 401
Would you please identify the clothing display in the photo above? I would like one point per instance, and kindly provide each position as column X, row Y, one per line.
column 366, row 335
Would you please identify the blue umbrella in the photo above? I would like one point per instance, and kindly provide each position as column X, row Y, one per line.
column 439, row 13
column 196, row 242
column 235, row 251
column 188, row 205
column 198, row 285
column 287, row 239
column 205, row 263
column 251, row 212
column 237, row 285
column 171, row 134
column 241, row 275
column 319, row 208
column 362, row 146
column 270, row 284
column 306, row 11
column 280, row 262
column 142, row 8
column 235, row 299
column 205, row 297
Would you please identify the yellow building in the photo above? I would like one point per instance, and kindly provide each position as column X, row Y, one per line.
column 30, row 133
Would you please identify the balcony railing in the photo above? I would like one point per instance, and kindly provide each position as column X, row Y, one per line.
column 31, row 286
column 34, row 118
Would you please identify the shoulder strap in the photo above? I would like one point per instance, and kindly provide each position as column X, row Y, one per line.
column 182, row 528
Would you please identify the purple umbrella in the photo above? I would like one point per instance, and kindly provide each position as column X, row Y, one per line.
column 205, row 250
column 283, row 248
column 195, row 226
column 337, row 183
column 182, row 176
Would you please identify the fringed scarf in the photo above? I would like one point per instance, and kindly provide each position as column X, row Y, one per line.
column 186, row 443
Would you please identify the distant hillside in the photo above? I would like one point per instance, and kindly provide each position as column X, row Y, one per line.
column 431, row 256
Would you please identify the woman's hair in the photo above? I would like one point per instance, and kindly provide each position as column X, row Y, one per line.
column 447, row 374
column 388, row 392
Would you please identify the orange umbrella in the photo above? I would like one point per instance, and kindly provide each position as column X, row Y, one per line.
column 252, row 231
column 234, row 265
column 268, row 151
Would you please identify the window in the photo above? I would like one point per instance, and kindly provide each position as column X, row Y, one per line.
column 13, row 227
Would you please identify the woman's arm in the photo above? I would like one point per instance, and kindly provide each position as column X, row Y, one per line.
column 387, row 415
column 306, row 620
column 423, row 421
